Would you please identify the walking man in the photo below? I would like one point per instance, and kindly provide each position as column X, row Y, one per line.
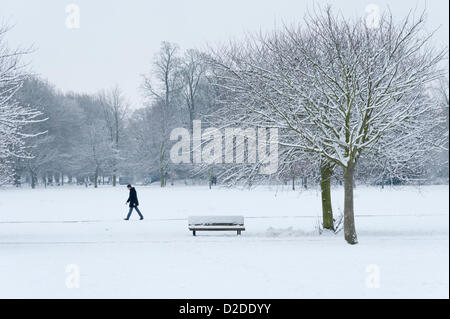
column 134, row 203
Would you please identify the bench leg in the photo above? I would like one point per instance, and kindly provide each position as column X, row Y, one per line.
column 239, row 233
column 194, row 233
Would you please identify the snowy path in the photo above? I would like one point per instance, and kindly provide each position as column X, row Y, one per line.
column 404, row 232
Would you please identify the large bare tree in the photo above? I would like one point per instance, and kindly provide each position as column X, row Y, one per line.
column 373, row 83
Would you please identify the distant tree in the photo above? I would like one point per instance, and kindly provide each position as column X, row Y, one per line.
column 164, row 95
column 192, row 70
column 115, row 108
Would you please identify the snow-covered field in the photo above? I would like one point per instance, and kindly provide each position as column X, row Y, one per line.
column 403, row 249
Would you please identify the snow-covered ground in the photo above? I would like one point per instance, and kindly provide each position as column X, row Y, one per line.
column 403, row 250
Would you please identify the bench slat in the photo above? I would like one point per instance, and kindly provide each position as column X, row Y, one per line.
column 216, row 223
column 216, row 228
column 216, row 220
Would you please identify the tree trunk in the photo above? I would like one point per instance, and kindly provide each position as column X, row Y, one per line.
column 17, row 178
column 191, row 130
column 349, row 215
column 162, row 176
column 96, row 177
column 325, row 185
column 162, row 167
column 33, row 179
column 209, row 179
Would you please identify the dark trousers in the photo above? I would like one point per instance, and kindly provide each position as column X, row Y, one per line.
column 131, row 211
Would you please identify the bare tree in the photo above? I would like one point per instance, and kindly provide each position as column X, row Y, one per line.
column 115, row 108
column 193, row 71
column 372, row 82
column 166, row 74
column 98, row 149
column 14, row 117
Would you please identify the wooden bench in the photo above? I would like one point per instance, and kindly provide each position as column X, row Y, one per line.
column 216, row 223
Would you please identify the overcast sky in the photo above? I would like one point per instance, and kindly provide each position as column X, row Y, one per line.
column 117, row 39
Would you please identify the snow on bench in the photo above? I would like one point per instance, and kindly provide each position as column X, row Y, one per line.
column 216, row 223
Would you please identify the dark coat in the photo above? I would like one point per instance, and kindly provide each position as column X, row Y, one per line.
column 132, row 199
